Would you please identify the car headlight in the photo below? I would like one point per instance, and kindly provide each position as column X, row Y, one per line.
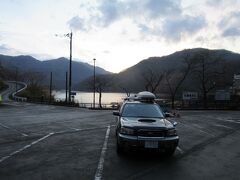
column 171, row 132
column 125, row 130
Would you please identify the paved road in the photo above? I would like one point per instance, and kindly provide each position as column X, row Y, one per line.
column 11, row 89
column 49, row 142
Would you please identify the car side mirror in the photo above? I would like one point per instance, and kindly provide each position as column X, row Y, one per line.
column 116, row 113
column 174, row 124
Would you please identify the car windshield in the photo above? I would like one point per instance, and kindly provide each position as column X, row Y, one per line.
column 142, row 110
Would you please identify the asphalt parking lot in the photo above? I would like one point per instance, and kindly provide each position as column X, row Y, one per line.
column 50, row 142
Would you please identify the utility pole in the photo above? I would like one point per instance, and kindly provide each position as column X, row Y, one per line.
column 50, row 89
column 70, row 68
column 70, row 35
column 66, row 99
column 94, row 82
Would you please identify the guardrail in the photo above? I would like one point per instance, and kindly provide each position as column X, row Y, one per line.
column 18, row 98
column 97, row 106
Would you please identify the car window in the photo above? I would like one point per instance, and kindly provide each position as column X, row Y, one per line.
column 142, row 110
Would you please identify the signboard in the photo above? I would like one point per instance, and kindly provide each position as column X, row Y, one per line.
column 190, row 96
column 222, row 95
column 236, row 76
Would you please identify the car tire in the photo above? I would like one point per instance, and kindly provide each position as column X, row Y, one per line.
column 169, row 152
column 120, row 148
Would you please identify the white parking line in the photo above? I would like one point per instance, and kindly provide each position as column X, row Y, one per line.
column 61, row 132
column 198, row 127
column 25, row 147
column 99, row 172
column 220, row 125
column 180, row 150
column 12, row 129
column 77, row 130
column 230, row 120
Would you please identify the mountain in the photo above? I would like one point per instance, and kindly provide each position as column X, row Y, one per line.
column 132, row 79
column 58, row 67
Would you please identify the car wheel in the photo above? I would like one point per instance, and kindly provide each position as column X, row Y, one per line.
column 169, row 152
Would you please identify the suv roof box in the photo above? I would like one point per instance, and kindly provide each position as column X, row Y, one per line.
column 146, row 96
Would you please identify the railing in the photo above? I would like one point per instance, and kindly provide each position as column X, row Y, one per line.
column 18, row 98
column 97, row 106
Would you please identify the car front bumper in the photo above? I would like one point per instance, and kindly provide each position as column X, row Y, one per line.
column 163, row 143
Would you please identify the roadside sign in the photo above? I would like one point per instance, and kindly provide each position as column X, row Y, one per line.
column 187, row 95
column 236, row 76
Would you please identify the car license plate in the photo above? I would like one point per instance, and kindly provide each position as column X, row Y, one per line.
column 151, row 144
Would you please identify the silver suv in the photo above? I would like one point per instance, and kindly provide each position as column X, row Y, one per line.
column 142, row 124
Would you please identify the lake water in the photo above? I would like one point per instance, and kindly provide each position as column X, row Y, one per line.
column 87, row 97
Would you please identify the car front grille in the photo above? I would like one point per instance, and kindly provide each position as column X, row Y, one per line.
column 151, row 133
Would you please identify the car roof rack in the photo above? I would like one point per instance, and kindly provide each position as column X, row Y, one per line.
column 146, row 96
column 143, row 96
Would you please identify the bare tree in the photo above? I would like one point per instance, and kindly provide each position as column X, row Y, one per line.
column 34, row 81
column 209, row 68
column 126, row 91
column 175, row 78
column 152, row 80
column 101, row 84
column 34, row 78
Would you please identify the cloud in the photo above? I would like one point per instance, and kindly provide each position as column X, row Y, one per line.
column 77, row 23
column 101, row 15
column 3, row 47
column 107, row 12
column 225, row 3
column 158, row 8
column 6, row 50
column 230, row 25
column 114, row 10
column 214, row 2
column 163, row 18
column 175, row 28
column 231, row 32
column 111, row 11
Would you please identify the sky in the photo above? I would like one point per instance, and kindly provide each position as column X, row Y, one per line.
column 117, row 33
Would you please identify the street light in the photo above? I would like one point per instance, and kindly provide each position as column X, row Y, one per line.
column 94, row 81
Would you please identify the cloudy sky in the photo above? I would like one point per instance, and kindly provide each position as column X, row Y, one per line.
column 118, row 33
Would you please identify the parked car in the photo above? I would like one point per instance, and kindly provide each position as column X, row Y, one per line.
column 142, row 124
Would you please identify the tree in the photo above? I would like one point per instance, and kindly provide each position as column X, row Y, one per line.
column 174, row 78
column 34, row 81
column 1, row 71
column 125, row 90
column 152, row 80
column 100, row 84
column 209, row 68
column 6, row 74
